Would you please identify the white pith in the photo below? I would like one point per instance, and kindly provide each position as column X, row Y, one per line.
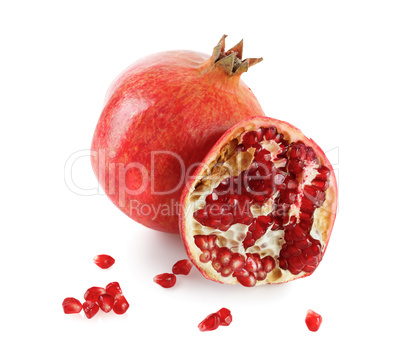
column 271, row 242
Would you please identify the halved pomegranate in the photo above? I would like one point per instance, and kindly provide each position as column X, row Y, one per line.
column 261, row 207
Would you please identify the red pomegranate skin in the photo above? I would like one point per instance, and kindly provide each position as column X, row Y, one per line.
column 177, row 102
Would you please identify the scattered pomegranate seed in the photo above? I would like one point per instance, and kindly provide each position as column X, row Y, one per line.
column 71, row 305
column 182, row 267
column 225, row 316
column 165, row 280
column 104, row 261
column 90, row 309
column 120, row 305
column 106, row 302
column 211, row 322
column 313, row 320
column 114, row 289
column 93, row 293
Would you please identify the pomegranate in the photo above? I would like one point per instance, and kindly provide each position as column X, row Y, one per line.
column 161, row 116
column 261, row 207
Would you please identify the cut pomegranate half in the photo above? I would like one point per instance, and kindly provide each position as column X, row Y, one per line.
column 261, row 207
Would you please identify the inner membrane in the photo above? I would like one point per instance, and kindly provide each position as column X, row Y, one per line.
column 258, row 220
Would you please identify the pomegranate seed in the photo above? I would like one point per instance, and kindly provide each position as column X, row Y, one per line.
column 270, row 133
column 165, row 280
column 120, row 305
column 251, row 264
column 260, row 275
column 105, row 302
column 241, row 273
column 217, row 266
column 114, row 289
column 182, row 267
column 211, row 322
column 90, row 309
column 226, row 271
column 295, row 166
column 225, row 316
column 313, row 320
column 248, row 281
column 200, row 215
column 224, row 256
column 323, row 173
column 250, row 138
column 237, row 262
column 104, row 261
column 204, row 242
column 205, row 256
column 295, row 262
column 93, row 293
column 293, row 250
column 268, row 264
column 283, row 263
column 71, row 305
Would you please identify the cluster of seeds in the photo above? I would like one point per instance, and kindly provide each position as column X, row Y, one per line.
column 247, row 269
column 222, row 317
column 277, row 174
column 168, row 280
column 106, row 299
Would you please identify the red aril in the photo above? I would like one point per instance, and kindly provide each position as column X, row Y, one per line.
column 105, row 302
column 225, row 316
column 182, row 267
column 90, row 309
column 313, row 320
column 104, row 261
column 120, row 305
column 165, row 280
column 278, row 189
column 71, row 305
column 114, row 289
column 211, row 322
column 93, row 293
column 161, row 117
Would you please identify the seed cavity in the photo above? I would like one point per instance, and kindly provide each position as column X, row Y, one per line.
column 272, row 188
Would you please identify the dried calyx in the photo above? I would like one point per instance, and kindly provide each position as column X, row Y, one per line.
column 262, row 206
column 231, row 60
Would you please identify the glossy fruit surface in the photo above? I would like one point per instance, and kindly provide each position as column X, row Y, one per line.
column 261, row 207
column 161, row 117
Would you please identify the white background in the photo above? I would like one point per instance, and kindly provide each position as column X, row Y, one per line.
column 332, row 68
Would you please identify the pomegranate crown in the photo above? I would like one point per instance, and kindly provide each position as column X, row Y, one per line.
column 231, row 61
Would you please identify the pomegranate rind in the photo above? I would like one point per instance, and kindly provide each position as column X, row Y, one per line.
column 182, row 94
column 324, row 217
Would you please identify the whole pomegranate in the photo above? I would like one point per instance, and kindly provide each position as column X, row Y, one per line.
column 261, row 207
column 161, row 116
